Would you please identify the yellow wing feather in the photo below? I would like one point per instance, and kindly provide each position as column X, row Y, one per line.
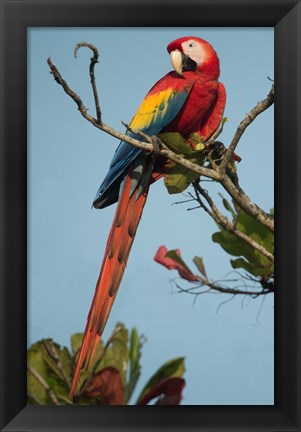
column 157, row 110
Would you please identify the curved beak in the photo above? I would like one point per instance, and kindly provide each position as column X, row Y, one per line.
column 176, row 59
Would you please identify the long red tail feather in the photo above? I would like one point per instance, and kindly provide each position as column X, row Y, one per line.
column 119, row 243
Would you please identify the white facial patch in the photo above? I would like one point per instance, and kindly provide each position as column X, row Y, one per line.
column 194, row 50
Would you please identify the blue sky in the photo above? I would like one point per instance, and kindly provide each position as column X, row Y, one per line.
column 229, row 351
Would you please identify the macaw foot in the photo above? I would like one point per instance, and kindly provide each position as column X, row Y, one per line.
column 218, row 149
column 157, row 146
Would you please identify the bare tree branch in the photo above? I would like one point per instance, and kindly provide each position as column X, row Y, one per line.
column 218, row 288
column 137, row 132
column 94, row 60
column 214, row 286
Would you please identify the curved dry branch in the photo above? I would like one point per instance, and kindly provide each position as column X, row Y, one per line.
column 93, row 62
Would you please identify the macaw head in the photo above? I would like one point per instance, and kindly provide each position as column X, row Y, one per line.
column 191, row 53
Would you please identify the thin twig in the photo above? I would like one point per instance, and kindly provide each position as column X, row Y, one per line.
column 234, row 291
column 218, row 288
column 44, row 384
column 259, row 311
column 224, row 302
column 93, row 62
column 137, row 132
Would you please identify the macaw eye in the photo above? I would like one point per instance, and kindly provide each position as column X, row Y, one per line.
column 190, row 45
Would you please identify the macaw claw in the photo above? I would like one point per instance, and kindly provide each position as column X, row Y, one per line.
column 157, row 146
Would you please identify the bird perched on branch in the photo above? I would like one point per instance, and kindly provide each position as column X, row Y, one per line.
column 188, row 101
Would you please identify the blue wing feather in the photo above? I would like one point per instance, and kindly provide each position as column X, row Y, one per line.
column 156, row 111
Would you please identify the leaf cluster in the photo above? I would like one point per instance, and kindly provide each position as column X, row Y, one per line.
column 249, row 259
column 112, row 378
column 177, row 178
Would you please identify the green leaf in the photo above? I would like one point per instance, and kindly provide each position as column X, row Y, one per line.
column 175, row 142
column 35, row 359
column 251, row 259
column 177, row 178
column 117, row 354
column 195, row 141
column 172, row 368
column 255, row 270
column 58, row 385
column 268, row 242
column 52, row 351
column 65, row 400
column 76, row 341
column 174, row 256
column 233, row 245
column 167, row 392
column 135, row 368
column 198, row 261
column 52, row 363
column 227, row 206
column 250, row 226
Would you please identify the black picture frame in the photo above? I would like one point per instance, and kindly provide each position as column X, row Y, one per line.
column 16, row 17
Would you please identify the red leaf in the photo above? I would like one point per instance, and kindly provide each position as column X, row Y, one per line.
column 169, row 392
column 107, row 387
column 171, row 264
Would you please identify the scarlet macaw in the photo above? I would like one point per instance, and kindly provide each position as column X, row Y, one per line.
column 187, row 100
